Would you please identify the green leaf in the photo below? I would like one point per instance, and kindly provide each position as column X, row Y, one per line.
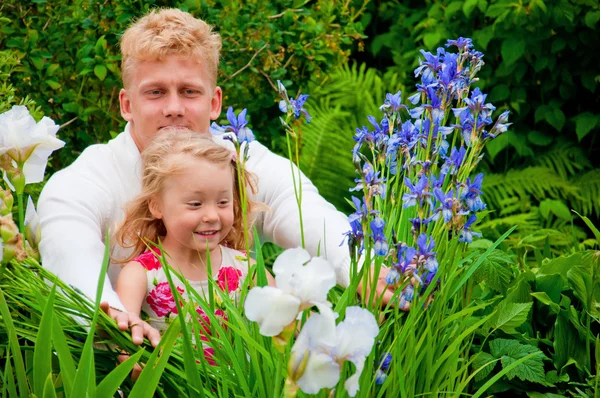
column 552, row 115
column 13, row 344
column 42, row 353
column 49, row 390
column 38, row 62
column 33, row 37
column 469, row 6
column 100, row 71
column 499, row 93
column 495, row 271
column 452, row 9
column 557, row 45
column 556, row 207
column 539, row 139
column 431, row 39
column 483, row 36
column 153, row 370
column 483, row 363
column 584, row 123
column 53, row 84
column 591, row 226
column 512, row 49
column 65, row 358
column 112, row 382
column 543, row 298
column 51, row 69
column 511, row 316
column 580, row 277
column 510, row 351
column 568, row 345
column 591, row 19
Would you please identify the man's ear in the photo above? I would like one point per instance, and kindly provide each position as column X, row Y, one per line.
column 125, row 105
column 155, row 209
column 215, row 103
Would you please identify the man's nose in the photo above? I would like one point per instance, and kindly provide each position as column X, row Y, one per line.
column 173, row 106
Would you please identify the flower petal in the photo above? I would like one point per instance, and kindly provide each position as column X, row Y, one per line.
column 321, row 372
column 356, row 334
column 271, row 308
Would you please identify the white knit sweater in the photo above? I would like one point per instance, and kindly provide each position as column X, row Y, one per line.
column 79, row 203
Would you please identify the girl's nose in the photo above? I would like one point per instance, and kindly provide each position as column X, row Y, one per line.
column 210, row 215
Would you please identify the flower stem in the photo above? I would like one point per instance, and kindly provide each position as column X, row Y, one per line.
column 21, row 212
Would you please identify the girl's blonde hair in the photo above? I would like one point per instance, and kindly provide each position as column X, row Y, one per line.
column 166, row 32
column 162, row 159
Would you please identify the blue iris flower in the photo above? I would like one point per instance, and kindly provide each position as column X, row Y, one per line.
column 417, row 192
column 471, row 192
column 462, row 43
column 238, row 125
column 446, row 203
column 453, row 163
column 380, row 246
column 392, row 102
column 466, row 235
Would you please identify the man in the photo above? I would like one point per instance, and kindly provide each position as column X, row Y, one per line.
column 169, row 70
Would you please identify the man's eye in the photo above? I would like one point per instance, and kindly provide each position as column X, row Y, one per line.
column 191, row 92
column 154, row 92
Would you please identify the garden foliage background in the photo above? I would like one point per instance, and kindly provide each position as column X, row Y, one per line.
column 61, row 59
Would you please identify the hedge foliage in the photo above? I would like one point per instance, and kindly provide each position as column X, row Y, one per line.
column 70, row 59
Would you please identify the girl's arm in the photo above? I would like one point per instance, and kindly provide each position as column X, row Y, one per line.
column 132, row 287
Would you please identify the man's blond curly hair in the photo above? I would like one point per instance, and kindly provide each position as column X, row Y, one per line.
column 165, row 32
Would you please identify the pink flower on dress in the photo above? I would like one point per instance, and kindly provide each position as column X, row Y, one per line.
column 209, row 354
column 148, row 259
column 205, row 322
column 161, row 299
column 229, row 279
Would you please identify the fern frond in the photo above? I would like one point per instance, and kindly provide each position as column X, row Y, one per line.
column 566, row 159
column 538, row 182
column 588, row 185
column 339, row 105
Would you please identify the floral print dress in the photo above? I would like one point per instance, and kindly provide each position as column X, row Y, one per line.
column 159, row 305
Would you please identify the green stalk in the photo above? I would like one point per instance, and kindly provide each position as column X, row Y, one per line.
column 297, row 187
column 21, row 212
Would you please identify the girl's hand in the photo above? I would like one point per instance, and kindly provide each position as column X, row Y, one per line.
column 139, row 328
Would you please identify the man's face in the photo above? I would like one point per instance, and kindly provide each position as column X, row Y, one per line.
column 176, row 92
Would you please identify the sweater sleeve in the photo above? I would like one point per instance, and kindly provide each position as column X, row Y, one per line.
column 323, row 225
column 74, row 208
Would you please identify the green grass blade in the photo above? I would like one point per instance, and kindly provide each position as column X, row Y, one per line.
column 261, row 276
column 49, row 391
column 194, row 382
column 42, row 354
column 111, row 383
column 65, row 359
column 84, row 384
column 153, row 370
column 479, row 261
column 9, row 378
column 13, row 344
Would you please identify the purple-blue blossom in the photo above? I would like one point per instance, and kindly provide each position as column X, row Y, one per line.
column 417, row 192
column 471, row 192
column 466, row 235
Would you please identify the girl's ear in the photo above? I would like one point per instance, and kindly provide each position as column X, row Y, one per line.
column 155, row 208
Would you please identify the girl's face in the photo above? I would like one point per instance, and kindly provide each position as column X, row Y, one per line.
column 196, row 206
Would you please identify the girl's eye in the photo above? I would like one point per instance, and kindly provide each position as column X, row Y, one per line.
column 223, row 203
column 195, row 204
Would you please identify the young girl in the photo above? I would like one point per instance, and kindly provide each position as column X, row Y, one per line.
column 190, row 202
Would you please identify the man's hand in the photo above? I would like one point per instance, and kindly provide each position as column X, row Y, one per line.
column 382, row 289
column 139, row 328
